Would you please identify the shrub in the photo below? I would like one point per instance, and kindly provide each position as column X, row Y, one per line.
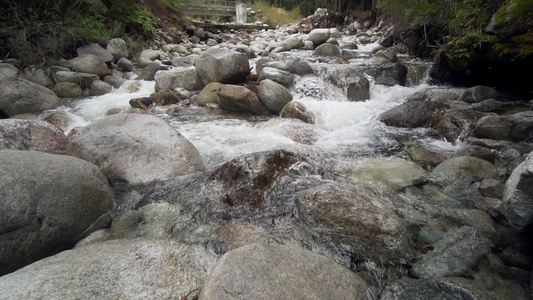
column 274, row 16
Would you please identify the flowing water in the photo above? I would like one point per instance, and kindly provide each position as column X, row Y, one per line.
column 343, row 130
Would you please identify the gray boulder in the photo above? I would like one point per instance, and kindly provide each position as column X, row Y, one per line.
column 184, row 77
column 273, row 95
column 118, row 269
column 8, row 71
column 125, row 64
column 282, row 77
column 96, row 50
column 32, row 136
column 48, row 203
column 209, row 94
column 397, row 173
column 357, row 88
column 297, row 110
column 457, row 124
column 356, row 217
column 114, row 81
column 327, row 49
column 37, row 75
column 479, row 93
column 99, row 87
column 18, row 96
column 493, row 127
column 239, row 98
column 183, row 61
column 219, row 65
column 413, row 114
column 293, row 65
column 67, row 90
column 454, row 255
column 269, row 271
column 465, row 169
column 518, row 195
column 83, row 80
column 118, row 48
column 319, row 36
column 148, row 72
column 89, row 64
column 136, row 148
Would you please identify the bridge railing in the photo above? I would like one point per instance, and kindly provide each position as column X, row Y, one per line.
column 224, row 8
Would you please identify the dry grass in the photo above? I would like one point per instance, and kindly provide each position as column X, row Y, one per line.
column 274, row 16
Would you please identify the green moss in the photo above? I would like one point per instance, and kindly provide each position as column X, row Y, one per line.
column 511, row 10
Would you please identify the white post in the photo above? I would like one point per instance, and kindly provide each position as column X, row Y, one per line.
column 240, row 14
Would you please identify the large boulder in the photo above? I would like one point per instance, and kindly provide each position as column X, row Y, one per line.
column 290, row 64
column 89, row 63
column 516, row 127
column 457, row 124
column 413, row 114
column 479, row 93
column 454, row 255
column 136, row 148
column 327, row 49
column 83, row 80
column 184, row 77
column 518, row 195
column 96, row 50
column 319, row 36
column 99, row 87
column 118, row 48
column 18, row 96
column 465, row 169
column 270, row 271
column 37, row 75
column 48, row 202
column 239, row 98
column 8, row 71
column 32, row 136
column 273, row 95
column 357, row 88
column 357, row 218
column 125, row 65
column 209, row 94
column 118, row 269
column 219, row 65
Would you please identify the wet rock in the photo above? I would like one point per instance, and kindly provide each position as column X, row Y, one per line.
column 297, row 110
column 454, row 255
column 143, row 103
column 319, row 36
column 518, row 195
column 37, row 75
column 424, row 156
column 8, row 71
column 457, row 124
column 487, row 154
column 99, row 87
column 294, row 129
column 83, row 80
column 327, row 49
column 491, row 105
column 40, row 219
column 60, row 121
column 218, row 65
column 273, row 95
column 479, row 93
column 357, row 88
column 453, row 288
column 136, row 148
column 389, row 74
column 18, row 96
column 149, row 71
column 118, row 48
column 293, row 65
column 284, row 272
column 282, row 77
column 131, row 269
column 493, row 127
column 167, row 97
column 388, row 54
column 150, row 54
column 125, row 64
column 32, row 136
column 356, row 218
column 522, row 126
column 492, row 188
column 67, row 90
column 396, row 173
column 239, row 98
column 463, row 169
column 185, row 77
column 413, row 114
column 89, row 63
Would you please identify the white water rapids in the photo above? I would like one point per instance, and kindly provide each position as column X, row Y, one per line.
column 343, row 129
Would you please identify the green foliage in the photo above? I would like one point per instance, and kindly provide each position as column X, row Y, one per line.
column 274, row 16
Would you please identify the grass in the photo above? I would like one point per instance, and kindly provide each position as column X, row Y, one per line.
column 275, row 16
